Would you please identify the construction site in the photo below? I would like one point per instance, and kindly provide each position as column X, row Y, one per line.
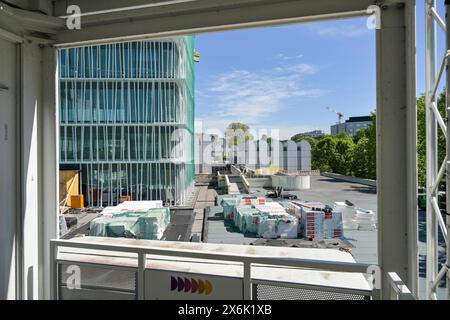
column 109, row 193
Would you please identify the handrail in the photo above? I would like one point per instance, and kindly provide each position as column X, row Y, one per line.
column 399, row 290
column 279, row 261
column 247, row 261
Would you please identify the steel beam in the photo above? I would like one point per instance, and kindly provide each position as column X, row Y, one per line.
column 204, row 16
column 48, row 191
column 395, row 102
column 396, row 158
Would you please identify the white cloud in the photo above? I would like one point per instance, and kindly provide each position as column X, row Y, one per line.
column 282, row 56
column 253, row 97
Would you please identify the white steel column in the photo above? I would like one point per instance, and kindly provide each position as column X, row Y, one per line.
column 48, row 168
column 396, row 148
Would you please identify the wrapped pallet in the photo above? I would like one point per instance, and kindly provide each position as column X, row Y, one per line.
column 267, row 227
column 149, row 225
column 278, row 225
column 348, row 215
column 296, row 211
column 228, row 205
column 324, row 224
column 287, row 227
column 246, row 219
column 249, row 201
column 131, row 206
column 270, row 207
column 312, row 224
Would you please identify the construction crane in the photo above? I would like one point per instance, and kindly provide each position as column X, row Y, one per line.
column 340, row 114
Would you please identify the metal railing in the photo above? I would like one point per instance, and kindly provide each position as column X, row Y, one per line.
column 247, row 263
column 399, row 291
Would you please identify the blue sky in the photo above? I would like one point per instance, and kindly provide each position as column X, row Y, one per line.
column 285, row 77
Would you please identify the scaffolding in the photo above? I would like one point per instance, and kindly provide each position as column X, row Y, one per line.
column 127, row 119
column 436, row 271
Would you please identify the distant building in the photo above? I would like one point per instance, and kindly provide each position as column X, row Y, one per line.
column 352, row 125
column 316, row 134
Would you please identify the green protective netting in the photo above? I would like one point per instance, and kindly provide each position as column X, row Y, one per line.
column 156, row 78
column 189, row 47
column 148, row 225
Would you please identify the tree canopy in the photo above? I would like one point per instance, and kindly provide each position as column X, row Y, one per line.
column 342, row 154
column 238, row 133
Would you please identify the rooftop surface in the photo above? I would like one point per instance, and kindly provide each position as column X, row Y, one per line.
column 330, row 190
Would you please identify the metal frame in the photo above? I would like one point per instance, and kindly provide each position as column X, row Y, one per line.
column 396, row 113
column 247, row 262
column 434, row 174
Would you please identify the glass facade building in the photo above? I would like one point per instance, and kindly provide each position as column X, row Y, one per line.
column 126, row 115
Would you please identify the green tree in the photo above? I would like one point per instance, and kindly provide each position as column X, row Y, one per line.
column 334, row 153
column 360, row 158
column 366, row 150
column 322, row 154
column 238, row 133
column 299, row 137
column 344, row 155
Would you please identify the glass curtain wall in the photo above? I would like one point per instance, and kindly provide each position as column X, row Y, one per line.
column 127, row 119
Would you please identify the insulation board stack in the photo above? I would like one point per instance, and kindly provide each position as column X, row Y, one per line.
column 229, row 203
column 131, row 206
column 136, row 221
column 319, row 222
column 296, row 211
column 275, row 222
column 355, row 218
column 246, row 219
column 348, row 215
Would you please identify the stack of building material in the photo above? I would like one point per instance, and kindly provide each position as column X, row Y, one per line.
column 348, row 215
column 228, row 204
column 295, row 210
column 252, row 214
column 332, row 224
column 275, row 222
column 270, row 207
column 355, row 218
column 248, row 201
column 132, row 220
column 277, row 225
column 246, row 219
column 131, row 206
column 365, row 219
column 319, row 222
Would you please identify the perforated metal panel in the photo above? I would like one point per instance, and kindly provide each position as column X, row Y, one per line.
column 97, row 283
column 269, row 292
